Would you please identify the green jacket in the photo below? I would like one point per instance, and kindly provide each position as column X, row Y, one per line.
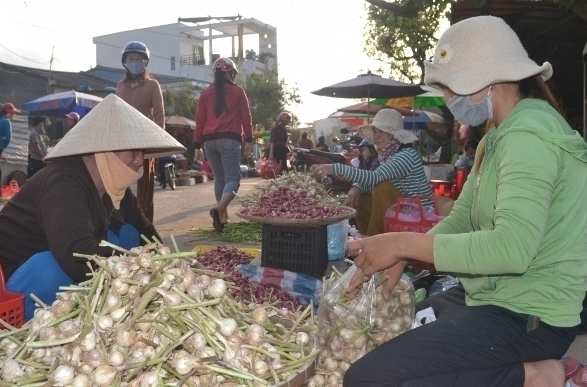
column 517, row 235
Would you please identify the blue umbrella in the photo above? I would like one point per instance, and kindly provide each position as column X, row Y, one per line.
column 59, row 104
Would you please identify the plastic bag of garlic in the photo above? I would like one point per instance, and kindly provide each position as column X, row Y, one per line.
column 349, row 328
column 148, row 318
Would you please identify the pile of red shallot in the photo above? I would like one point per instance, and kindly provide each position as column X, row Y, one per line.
column 285, row 202
column 225, row 259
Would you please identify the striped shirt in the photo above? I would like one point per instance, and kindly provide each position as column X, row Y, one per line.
column 404, row 170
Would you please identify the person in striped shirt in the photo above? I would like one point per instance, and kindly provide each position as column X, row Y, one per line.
column 401, row 173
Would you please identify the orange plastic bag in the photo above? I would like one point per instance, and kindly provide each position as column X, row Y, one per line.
column 270, row 169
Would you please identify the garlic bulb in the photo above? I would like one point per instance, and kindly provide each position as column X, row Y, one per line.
column 116, row 358
column 11, row 370
column 104, row 375
column 119, row 287
column 255, row 334
column 260, row 315
column 62, row 375
column 183, row 364
column 217, row 288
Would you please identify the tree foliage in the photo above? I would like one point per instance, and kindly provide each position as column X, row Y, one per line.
column 181, row 102
column 410, row 9
column 250, row 54
column 404, row 42
column 268, row 96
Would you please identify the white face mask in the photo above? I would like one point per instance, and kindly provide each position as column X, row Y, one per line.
column 470, row 113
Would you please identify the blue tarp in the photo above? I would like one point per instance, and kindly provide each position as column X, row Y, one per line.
column 59, row 104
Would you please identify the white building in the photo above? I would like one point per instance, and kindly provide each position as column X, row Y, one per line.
column 187, row 50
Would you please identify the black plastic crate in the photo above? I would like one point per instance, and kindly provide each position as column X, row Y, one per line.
column 298, row 249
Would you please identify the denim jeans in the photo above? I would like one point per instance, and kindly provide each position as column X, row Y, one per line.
column 42, row 275
column 225, row 158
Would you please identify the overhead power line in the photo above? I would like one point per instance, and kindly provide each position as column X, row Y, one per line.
column 23, row 57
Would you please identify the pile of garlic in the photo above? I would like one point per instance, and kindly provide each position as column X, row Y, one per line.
column 148, row 318
column 350, row 328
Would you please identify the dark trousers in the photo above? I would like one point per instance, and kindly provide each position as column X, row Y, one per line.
column 280, row 155
column 146, row 188
column 34, row 166
column 466, row 346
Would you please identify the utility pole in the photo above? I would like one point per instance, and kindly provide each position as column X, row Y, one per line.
column 50, row 67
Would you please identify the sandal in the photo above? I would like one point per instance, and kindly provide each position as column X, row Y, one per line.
column 576, row 373
column 216, row 223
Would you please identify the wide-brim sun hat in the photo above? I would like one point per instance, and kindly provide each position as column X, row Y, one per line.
column 477, row 52
column 390, row 121
column 113, row 125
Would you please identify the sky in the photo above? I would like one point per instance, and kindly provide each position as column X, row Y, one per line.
column 320, row 42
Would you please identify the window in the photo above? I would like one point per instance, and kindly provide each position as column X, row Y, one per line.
column 172, row 63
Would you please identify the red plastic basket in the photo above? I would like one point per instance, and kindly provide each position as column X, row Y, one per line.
column 11, row 305
column 394, row 224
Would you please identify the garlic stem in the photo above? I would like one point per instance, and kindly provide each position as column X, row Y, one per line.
column 164, row 331
column 196, row 305
column 172, row 371
column 287, row 355
column 8, row 334
column 273, row 373
column 297, row 322
column 176, row 250
column 38, row 301
column 52, row 343
column 132, row 282
column 177, row 343
column 232, row 373
column 173, row 256
column 61, row 319
column 73, row 288
column 37, row 366
column 104, row 243
column 177, row 320
column 145, row 300
column 257, row 349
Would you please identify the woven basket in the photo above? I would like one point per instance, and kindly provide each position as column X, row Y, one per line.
column 313, row 222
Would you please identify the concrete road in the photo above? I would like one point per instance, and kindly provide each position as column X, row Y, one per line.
column 178, row 212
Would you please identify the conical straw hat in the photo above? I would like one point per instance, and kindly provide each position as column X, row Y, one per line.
column 114, row 125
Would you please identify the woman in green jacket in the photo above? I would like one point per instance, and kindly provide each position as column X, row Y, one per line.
column 516, row 237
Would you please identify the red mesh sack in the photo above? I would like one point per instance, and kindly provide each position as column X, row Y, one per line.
column 270, row 169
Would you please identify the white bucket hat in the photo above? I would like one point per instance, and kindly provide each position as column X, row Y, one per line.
column 390, row 121
column 477, row 52
column 114, row 125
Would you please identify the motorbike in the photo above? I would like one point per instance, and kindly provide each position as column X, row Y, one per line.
column 167, row 172
column 305, row 158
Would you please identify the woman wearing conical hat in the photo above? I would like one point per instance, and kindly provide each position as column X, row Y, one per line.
column 81, row 197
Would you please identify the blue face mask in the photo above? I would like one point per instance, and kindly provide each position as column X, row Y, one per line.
column 470, row 113
column 136, row 68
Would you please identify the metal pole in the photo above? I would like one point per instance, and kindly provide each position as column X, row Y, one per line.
column 50, row 67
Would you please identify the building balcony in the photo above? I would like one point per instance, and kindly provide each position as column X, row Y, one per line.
column 193, row 60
